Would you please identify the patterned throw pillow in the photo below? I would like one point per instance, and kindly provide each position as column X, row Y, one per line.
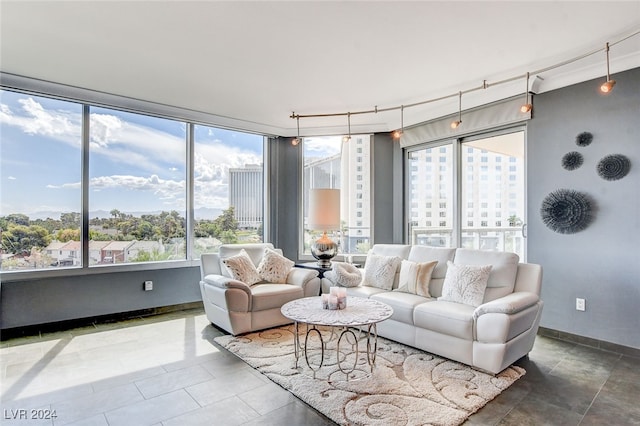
column 465, row 283
column 344, row 274
column 380, row 271
column 274, row 267
column 241, row 268
column 415, row 277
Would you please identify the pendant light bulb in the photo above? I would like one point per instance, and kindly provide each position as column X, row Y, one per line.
column 607, row 86
column 455, row 124
column 348, row 137
column 296, row 141
column 526, row 107
column 396, row 134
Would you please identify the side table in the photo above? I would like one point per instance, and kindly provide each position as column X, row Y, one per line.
column 314, row 266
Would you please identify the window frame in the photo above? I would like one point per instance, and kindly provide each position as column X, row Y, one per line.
column 86, row 99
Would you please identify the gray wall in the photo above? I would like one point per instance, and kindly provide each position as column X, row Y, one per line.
column 601, row 263
column 49, row 300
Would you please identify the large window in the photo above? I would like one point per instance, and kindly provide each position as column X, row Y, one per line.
column 489, row 196
column 329, row 162
column 40, row 171
column 137, row 185
column 137, row 176
column 228, row 179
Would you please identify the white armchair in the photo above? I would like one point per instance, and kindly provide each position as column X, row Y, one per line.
column 238, row 307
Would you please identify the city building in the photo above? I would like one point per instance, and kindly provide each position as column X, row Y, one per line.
column 246, row 195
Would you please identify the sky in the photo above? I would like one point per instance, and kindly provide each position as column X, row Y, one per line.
column 136, row 162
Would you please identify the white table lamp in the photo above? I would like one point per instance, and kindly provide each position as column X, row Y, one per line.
column 324, row 215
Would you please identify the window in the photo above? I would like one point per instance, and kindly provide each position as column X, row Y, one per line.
column 137, row 207
column 482, row 192
column 40, row 212
column 137, row 185
column 228, row 188
column 421, row 231
column 331, row 163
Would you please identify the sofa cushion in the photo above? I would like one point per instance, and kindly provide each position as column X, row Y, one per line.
column 465, row 284
column 449, row 318
column 426, row 254
column 241, row 268
column 270, row 296
column 415, row 277
column 363, row 291
column 380, row 271
column 274, row 267
column 504, row 269
column 402, row 303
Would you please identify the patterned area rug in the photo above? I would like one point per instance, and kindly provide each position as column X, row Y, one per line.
column 407, row 386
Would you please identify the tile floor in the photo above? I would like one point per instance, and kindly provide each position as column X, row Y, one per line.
column 166, row 370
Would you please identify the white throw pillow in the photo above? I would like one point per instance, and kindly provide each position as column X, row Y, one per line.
column 415, row 277
column 380, row 271
column 274, row 267
column 241, row 268
column 345, row 275
column 465, row 283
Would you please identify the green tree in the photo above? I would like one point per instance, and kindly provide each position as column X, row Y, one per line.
column 18, row 219
column 20, row 239
column 65, row 235
column 70, row 220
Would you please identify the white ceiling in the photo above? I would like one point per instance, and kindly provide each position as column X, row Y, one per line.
column 251, row 64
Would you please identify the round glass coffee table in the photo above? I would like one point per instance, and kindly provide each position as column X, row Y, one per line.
column 360, row 312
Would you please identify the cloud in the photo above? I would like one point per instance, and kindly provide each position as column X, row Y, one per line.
column 322, row 146
column 33, row 120
column 12, row 178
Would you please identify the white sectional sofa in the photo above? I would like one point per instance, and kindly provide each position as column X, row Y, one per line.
column 490, row 336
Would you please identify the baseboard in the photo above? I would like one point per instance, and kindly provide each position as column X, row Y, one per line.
column 588, row 341
column 38, row 329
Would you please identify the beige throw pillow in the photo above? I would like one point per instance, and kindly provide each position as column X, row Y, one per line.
column 380, row 271
column 415, row 277
column 344, row 275
column 274, row 267
column 241, row 268
column 465, row 283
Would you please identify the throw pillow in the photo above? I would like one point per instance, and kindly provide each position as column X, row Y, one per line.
column 415, row 277
column 380, row 271
column 346, row 275
column 274, row 267
column 465, row 283
column 241, row 268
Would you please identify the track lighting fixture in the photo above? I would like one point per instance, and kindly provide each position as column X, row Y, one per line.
column 348, row 137
column 398, row 133
column 458, row 122
column 607, row 86
column 527, row 104
column 295, row 141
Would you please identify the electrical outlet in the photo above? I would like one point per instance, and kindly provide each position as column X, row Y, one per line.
column 580, row 304
column 148, row 285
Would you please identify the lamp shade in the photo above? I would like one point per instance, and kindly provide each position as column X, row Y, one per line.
column 324, row 209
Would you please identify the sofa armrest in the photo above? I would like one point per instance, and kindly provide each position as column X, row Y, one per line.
column 301, row 276
column 226, row 282
column 509, row 304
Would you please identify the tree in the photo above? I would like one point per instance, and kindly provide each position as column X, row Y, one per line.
column 20, row 239
column 65, row 235
column 70, row 220
column 18, row 219
column 227, row 220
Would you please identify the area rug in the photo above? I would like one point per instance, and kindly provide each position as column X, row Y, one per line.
column 407, row 386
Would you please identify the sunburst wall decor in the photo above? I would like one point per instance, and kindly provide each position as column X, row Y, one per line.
column 572, row 160
column 584, row 139
column 566, row 211
column 614, row 167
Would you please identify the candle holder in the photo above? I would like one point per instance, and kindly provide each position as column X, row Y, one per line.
column 335, row 300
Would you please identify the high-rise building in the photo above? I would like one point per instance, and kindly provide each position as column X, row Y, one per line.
column 245, row 195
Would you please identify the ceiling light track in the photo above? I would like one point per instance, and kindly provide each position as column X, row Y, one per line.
column 485, row 85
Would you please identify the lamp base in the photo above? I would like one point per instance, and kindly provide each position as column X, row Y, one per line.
column 324, row 249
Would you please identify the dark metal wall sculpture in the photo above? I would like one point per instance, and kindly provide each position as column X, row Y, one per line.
column 614, row 167
column 566, row 211
column 584, row 138
column 572, row 160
